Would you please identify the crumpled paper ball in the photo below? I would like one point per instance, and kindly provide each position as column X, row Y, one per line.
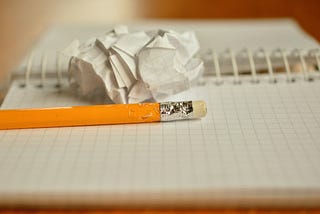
column 141, row 66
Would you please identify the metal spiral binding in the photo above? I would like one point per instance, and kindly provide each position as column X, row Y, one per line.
column 283, row 55
column 44, row 60
column 252, row 65
column 43, row 69
column 230, row 57
column 284, row 60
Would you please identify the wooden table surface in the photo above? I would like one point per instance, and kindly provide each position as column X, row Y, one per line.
column 21, row 24
column 171, row 211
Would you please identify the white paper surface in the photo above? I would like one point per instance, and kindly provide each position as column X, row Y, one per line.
column 134, row 67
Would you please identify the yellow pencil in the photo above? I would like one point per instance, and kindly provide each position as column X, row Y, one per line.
column 100, row 114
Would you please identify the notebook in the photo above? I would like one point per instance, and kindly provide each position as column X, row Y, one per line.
column 257, row 146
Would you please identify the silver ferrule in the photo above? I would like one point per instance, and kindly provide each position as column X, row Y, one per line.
column 176, row 111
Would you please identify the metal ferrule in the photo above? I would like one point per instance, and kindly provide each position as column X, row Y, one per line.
column 176, row 111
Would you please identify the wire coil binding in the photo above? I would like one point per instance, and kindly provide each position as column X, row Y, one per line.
column 248, row 61
column 43, row 70
column 228, row 62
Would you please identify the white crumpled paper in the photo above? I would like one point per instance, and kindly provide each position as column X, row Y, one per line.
column 134, row 67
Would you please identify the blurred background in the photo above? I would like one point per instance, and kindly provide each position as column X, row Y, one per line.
column 23, row 21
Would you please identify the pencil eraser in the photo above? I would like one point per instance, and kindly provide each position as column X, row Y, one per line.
column 199, row 108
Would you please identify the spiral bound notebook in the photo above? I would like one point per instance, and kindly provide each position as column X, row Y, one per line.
column 258, row 145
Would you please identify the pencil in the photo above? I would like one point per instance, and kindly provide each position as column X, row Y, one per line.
column 100, row 114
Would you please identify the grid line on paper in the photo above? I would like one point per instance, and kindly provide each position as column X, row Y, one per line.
column 275, row 131
column 193, row 179
column 315, row 119
column 254, row 138
column 248, row 154
column 288, row 140
column 206, row 155
column 115, row 157
column 76, row 166
column 148, row 158
column 5, row 167
column 292, row 145
column 217, row 140
column 239, row 138
column 161, row 157
column 314, row 115
column 264, row 141
column 9, row 141
column 178, row 162
column 59, row 173
column 104, row 159
column 134, row 156
column 32, row 168
column 93, row 156
column 18, row 162
column 228, row 166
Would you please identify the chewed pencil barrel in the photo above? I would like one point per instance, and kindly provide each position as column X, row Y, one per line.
column 101, row 114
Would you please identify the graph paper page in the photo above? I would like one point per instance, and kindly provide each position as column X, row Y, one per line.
column 255, row 137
